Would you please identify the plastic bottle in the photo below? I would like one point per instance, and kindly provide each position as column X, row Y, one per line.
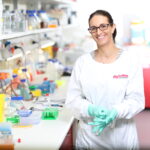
column 137, row 32
column 16, row 102
column 6, row 22
column 24, row 89
column 1, row 17
column 51, row 70
column 44, row 18
column 52, row 86
column 46, row 86
column 23, row 22
column 33, row 20
column 15, row 83
column 15, row 21
column 24, row 74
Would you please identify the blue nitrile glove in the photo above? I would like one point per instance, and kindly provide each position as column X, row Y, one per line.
column 111, row 116
column 97, row 111
column 100, row 123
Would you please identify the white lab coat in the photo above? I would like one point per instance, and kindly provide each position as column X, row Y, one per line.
column 117, row 85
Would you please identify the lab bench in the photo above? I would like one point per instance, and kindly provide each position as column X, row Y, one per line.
column 47, row 135
column 55, row 134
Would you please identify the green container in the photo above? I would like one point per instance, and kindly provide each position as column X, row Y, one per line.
column 14, row 119
column 50, row 114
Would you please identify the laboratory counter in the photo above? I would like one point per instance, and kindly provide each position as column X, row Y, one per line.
column 47, row 135
column 53, row 134
column 44, row 134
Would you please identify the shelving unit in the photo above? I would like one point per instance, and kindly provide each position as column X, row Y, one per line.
column 21, row 34
column 38, row 31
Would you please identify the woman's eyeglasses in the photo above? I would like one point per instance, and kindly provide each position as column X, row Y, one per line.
column 102, row 27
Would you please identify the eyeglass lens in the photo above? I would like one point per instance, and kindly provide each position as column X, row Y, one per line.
column 102, row 27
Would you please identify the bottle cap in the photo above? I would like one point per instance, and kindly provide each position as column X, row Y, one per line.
column 23, row 80
column 16, row 98
column 14, row 75
column 24, row 69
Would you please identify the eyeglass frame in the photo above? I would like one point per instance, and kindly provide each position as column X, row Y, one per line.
column 109, row 24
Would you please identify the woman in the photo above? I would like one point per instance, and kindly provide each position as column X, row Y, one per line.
column 106, row 91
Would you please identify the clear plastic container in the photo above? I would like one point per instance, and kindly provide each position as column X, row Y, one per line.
column 34, row 118
column 17, row 102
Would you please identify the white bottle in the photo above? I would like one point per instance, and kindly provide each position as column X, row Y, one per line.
column 51, row 70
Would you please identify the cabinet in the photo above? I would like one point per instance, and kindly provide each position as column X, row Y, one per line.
column 146, row 73
column 68, row 141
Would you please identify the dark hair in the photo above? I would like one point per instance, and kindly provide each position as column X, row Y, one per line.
column 106, row 14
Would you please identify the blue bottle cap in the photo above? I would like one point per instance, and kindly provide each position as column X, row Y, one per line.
column 24, row 69
column 18, row 98
column 14, row 75
column 23, row 80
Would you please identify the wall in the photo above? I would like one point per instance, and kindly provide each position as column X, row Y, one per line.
column 123, row 11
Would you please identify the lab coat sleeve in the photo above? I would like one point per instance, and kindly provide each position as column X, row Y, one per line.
column 75, row 100
column 134, row 101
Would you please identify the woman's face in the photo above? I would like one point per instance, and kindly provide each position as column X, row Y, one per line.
column 103, row 34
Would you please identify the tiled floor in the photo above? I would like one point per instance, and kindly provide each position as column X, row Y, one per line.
column 143, row 127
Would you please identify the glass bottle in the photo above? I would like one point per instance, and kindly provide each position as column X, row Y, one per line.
column 24, row 89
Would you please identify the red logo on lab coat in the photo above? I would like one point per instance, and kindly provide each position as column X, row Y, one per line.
column 120, row 76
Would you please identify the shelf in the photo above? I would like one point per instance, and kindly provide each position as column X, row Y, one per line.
column 21, row 34
column 17, row 56
column 57, row 2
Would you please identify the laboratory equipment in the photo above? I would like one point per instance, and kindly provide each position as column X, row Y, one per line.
column 50, row 114
column 24, row 90
column 16, row 102
column 24, row 112
column 13, row 119
column 31, row 119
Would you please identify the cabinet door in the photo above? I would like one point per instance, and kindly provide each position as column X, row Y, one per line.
column 146, row 73
column 68, row 141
